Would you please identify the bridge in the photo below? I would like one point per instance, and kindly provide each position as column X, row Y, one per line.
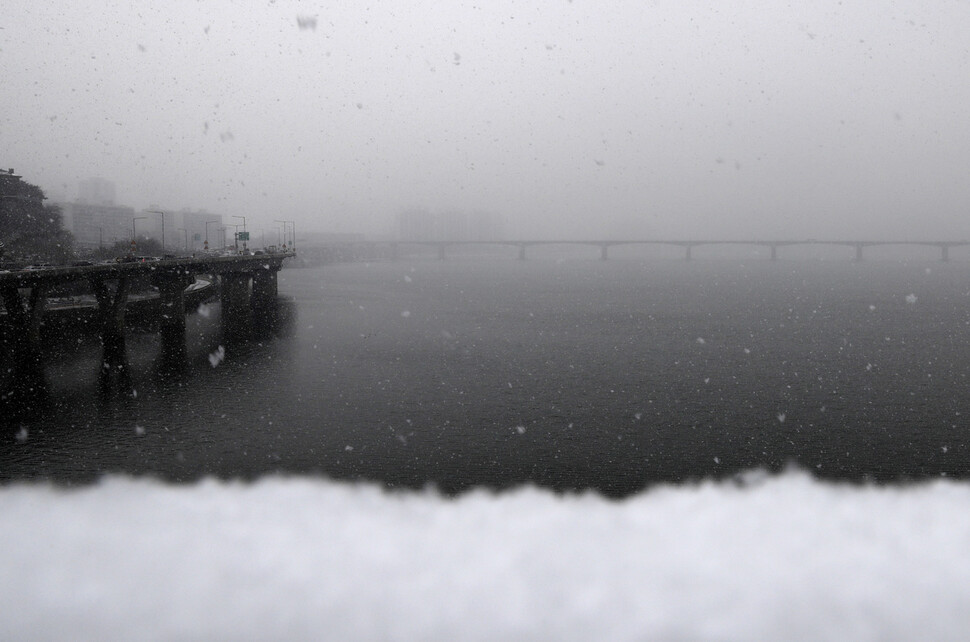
column 688, row 245
column 248, row 295
column 353, row 250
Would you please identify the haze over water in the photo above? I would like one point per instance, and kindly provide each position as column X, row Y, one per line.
column 571, row 373
column 570, row 119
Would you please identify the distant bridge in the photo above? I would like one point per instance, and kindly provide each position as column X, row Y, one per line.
column 392, row 249
column 24, row 294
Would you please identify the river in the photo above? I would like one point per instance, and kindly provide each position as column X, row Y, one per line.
column 568, row 373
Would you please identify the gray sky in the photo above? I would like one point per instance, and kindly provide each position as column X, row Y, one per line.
column 598, row 119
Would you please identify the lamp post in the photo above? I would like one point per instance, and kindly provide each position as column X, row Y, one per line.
column 245, row 234
column 292, row 223
column 207, row 233
column 235, row 237
column 276, row 220
column 134, row 245
column 182, row 229
column 163, row 226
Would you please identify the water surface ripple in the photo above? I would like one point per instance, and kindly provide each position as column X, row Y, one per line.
column 570, row 374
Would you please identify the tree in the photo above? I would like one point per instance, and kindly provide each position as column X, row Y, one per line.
column 29, row 230
column 144, row 246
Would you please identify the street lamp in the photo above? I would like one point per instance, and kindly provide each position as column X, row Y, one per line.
column 207, row 233
column 163, row 226
column 182, row 229
column 276, row 220
column 245, row 234
column 293, row 223
column 133, row 235
column 235, row 237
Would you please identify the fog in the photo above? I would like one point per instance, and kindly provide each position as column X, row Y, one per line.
column 570, row 119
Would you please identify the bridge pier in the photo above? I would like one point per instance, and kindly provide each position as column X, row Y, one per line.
column 263, row 301
column 604, row 252
column 236, row 307
column 441, row 252
column 114, row 356
column 171, row 292
column 945, row 253
column 858, row 252
column 522, row 252
column 687, row 256
column 265, row 288
column 27, row 385
column 774, row 252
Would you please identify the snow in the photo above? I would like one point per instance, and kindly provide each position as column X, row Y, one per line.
column 217, row 357
column 781, row 557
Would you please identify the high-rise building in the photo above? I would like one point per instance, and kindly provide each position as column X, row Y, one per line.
column 96, row 191
column 415, row 225
column 93, row 218
column 486, row 226
column 450, row 225
column 193, row 224
column 95, row 225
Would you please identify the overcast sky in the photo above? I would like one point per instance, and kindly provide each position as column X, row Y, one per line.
column 601, row 118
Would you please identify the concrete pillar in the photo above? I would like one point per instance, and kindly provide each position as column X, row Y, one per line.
column 38, row 305
column 604, row 252
column 522, row 252
column 858, row 251
column 687, row 256
column 114, row 356
column 774, row 252
column 263, row 301
column 27, row 385
column 264, row 287
column 171, row 309
column 235, row 305
column 944, row 253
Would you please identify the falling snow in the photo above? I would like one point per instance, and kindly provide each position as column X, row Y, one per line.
column 216, row 357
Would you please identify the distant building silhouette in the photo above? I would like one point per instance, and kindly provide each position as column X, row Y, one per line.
column 96, row 191
column 95, row 224
column 450, row 225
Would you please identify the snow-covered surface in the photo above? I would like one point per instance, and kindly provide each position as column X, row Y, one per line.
column 780, row 558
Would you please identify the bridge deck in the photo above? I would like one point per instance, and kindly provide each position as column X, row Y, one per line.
column 195, row 265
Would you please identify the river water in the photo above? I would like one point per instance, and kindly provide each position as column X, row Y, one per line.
column 571, row 373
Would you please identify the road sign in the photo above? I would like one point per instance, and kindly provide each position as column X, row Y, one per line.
column 244, row 236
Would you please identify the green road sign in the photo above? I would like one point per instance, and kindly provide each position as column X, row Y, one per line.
column 244, row 236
